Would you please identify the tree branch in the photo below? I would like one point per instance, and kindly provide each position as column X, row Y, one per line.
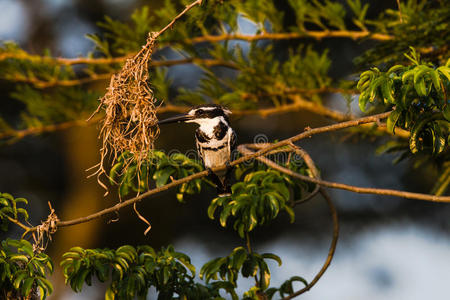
column 315, row 173
column 331, row 251
column 271, row 147
column 264, row 112
column 375, row 191
column 206, row 38
column 18, row 223
column 43, row 84
column 318, row 35
column 261, row 152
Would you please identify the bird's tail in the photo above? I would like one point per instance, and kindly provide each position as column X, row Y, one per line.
column 222, row 184
column 223, row 189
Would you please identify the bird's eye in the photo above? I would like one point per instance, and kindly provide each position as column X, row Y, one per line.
column 199, row 111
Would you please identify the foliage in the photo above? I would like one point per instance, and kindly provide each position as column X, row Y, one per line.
column 259, row 195
column 261, row 71
column 55, row 91
column 256, row 200
column 23, row 271
column 134, row 270
column 249, row 264
column 159, row 167
column 10, row 211
column 260, row 78
column 286, row 288
column 419, row 94
column 424, row 25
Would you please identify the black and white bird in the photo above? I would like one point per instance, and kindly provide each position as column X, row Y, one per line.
column 215, row 140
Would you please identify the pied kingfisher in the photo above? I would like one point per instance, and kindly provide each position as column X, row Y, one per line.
column 215, row 140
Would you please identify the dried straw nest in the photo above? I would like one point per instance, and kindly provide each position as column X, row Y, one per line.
column 130, row 122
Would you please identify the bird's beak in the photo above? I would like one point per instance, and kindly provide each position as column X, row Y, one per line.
column 176, row 119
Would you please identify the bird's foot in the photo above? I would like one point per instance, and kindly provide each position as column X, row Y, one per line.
column 229, row 166
column 210, row 172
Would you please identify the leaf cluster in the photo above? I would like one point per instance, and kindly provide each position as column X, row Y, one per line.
column 419, row 95
column 259, row 195
column 9, row 210
column 424, row 26
column 286, row 288
column 22, row 271
column 159, row 168
column 248, row 264
column 259, row 79
column 132, row 271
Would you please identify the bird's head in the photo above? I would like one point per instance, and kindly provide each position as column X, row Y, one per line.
column 202, row 115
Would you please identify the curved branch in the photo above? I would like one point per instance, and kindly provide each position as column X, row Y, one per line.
column 331, row 251
column 315, row 172
column 271, row 147
column 342, row 186
column 261, row 152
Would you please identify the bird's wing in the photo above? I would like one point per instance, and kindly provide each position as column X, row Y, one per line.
column 199, row 148
column 233, row 140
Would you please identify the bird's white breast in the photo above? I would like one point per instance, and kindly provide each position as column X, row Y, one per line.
column 207, row 125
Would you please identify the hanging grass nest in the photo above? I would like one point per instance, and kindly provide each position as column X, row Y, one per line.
column 130, row 122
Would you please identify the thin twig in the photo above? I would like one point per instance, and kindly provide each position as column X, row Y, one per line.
column 355, row 189
column 312, row 167
column 247, row 239
column 400, row 11
column 187, row 8
column 18, row 223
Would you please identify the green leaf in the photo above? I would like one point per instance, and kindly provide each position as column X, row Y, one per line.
column 363, row 100
column 27, row 285
column 420, row 87
column 162, row 176
column 19, row 257
column 250, row 267
column 19, row 277
column 446, row 112
column 392, row 120
column 109, row 295
column 387, row 91
column 264, row 276
column 272, row 256
column 238, row 258
column 444, row 70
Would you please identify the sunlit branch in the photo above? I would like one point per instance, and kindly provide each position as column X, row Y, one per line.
column 42, row 84
column 18, row 223
column 336, row 185
column 206, row 38
column 299, row 104
column 174, row 183
column 318, row 35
